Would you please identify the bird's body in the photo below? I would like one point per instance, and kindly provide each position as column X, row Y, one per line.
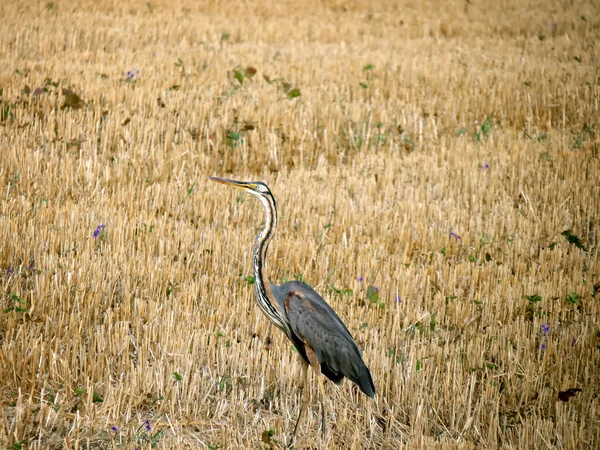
column 317, row 330
column 319, row 335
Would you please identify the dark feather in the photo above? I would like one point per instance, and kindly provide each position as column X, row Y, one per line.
column 315, row 324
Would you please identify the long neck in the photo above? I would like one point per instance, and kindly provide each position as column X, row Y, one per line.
column 264, row 294
column 261, row 243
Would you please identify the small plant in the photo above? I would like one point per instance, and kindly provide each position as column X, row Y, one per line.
column 250, row 279
column 225, row 384
column 538, row 138
column 144, row 229
column 16, row 304
column 233, row 139
column 545, row 331
column 97, row 398
column 531, row 308
column 573, row 239
column 99, row 231
column 485, row 129
column 267, row 438
column 145, row 435
column 177, row 376
column 17, row 445
column 533, row 298
column 585, row 135
column 131, row 75
column 393, row 353
column 373, row 296
column 573, row 298
column 340, row 292
column 293, row 93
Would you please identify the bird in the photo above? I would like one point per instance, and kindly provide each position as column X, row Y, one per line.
column 321, row 338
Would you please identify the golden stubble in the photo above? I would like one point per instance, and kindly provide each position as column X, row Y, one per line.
column 413, row 121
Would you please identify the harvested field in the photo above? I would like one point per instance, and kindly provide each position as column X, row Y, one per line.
column 436, row 166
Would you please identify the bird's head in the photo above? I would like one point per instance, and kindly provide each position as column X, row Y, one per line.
column 257, row 188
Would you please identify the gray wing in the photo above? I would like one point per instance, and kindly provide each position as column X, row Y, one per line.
column 316, row 325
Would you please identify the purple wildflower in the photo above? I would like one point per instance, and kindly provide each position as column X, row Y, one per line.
column 10, row 270
column 398, row 299
column 147, row 425
column 454, row 235
column 98, row 230
column 544, row 346
column 114, row 428
column 487, row 166
column 361, row 279
column 545, row 329
column 574, row 341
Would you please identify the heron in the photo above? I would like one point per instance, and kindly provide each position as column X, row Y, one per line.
column 318, row 334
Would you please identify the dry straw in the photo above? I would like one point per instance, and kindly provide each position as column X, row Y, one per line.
column 439, row 151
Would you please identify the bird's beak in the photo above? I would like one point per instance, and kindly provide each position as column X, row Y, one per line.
column 236, row 184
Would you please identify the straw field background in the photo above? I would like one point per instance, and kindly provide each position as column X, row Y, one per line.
column 443, row 152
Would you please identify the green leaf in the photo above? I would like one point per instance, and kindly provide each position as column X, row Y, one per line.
column 368, row 67
column 239, row 76
column 533, row 298
column 293, row 93
column 573, row 239
column 363, row 85
column 573, row 298
column 372, row 294
column 419, row 365
column 175, row 87
column 267, row 436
